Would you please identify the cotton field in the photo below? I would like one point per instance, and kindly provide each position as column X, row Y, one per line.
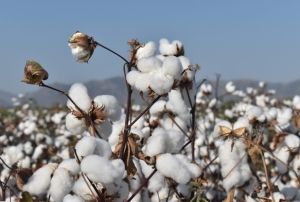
column 188, row 140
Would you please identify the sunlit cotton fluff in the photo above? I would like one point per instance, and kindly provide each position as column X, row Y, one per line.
column 100, row 169
column 172, row 67
column 167, row 48
column 112, row 108
column 79, row 94
column 177, row 105
column 230, row 87
column 189, row 73
column 161, row 83
column 184, row 171
column 146, row 65
column 70, row 165
column 284, row 116
column 39, row 182
column 145, row 51
column 236, row 159
column 81, row 189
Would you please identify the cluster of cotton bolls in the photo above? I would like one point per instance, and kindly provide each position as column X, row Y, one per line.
column 159, row 73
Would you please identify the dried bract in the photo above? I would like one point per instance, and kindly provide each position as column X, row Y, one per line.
column 34, row 73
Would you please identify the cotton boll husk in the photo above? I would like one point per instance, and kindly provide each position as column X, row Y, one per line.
column 102, row 148
column 72, row 198
column 149, row 64
column 100, row 169
column 85, row 146
column 172, row 67
column 147, row 50
column 35, row 185
column 71, row 165
column 158, row 107
column 61, row 184
column 74, row 125
column 112, row 107
column 156, row 143
column 79, row 94
column 160, row 83
column 224, row 123
column 242, row 122
column 165, row 163
column 81, row 189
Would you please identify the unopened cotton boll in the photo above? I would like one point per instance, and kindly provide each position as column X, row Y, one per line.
column 172, row 67
column 149, row 64
column 147, row 50
column 74, row 125
column 100, row 169
column 79, row 94
column 112, row 107
column 85, row 146
column 61, row 184
column 72, row 198
column 35, row 185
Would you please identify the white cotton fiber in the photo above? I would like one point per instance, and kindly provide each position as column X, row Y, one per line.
column 147, row 50
column 61, row 184
column 230, row 87
column 85, row 146
column 160, row 83
column 283, row 154
column 35, row 185
column 166, row 164
column 100, row 169
column 284, row 116
column 81, row 189
column 79, row 94
column 167, row 48
column 112, row 107
column 242, row 122
column 131, row 77
column 105, row 129
column 156, row 143
column 175, row 141
column 158, row 107
column 102, row 148
column 142, row 82
column 296, row 102
column 292, row 141
column 177, row 105
column 149, row 64
column 172, row 67
column 72, row 198
column 71, row 165
column 74, row 125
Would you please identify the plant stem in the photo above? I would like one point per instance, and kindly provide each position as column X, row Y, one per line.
column 113, row 52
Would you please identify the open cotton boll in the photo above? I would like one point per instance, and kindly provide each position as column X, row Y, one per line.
column 193, row 169
column 12, row 154
column 230, row 87
column 39, row 182
column 104, row 129
column 81, row 189
column 100, row 169
column 242, row 122
column 177, row 105
column 131, row 77
column 102, row 148
column 172, row 67
column 147, row 50
column 79, row 94
column 72, row 198
column 167, row 48
column 296, row 102
column 149, row 64
column 158, row 107
column 233, row 158
column 61, row 184
column 74, row 125
column 156, row 143
column 292, row 141
column 86, row 146
column 271, row 113
column 38, row 151
column 283, row 154
column 112, row 108
column 175, row 141
column 160, row 83
column 284, row 116
column 71, row 165
column 166, row 164
column 142, row 82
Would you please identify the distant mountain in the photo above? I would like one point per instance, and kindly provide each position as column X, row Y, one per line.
column 116, row 86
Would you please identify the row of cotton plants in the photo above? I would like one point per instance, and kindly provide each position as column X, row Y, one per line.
column 187, row 141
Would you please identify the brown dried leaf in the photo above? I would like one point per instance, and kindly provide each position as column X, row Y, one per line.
column 230, row 196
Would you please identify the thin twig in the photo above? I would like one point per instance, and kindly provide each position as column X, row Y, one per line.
column 269, row 184
column 5, row 164
column 142, row 185
column 113, row 52
column 178, row 126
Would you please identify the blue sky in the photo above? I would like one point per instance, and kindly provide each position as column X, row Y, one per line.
column 257, row 39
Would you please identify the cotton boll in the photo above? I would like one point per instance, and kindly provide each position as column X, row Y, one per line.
column 172, row 67
column 149, row 64
column 271, row 113
column 81, row 189
column 284, row 116
column 131, row 77
column 38, row 151
column 25, row 162
column 35, row 185
column 242, row 122
column 116, row 131
column 72, row 198
column 102, row 148
column 165, row 163
column 156, row 143
column 79, row 94
column 61, row 184
column 145, row 51
column 282, row 154
column 112, row 107
column 12, row 154
column 292, row 141
column 296, row 102
column 104, row 129
column 175, row 141
column 167, row 48
column 100, row 169
column 253, row 112
column 70, row 165
column 230, row 87
column 158, row 107
column 177, row 105
column 193, row 169
column 85, row 146
column 160, row 83
column 142, row 82
column 74, row 125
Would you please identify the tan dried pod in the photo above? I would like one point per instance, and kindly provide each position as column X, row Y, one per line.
column 34, row 73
